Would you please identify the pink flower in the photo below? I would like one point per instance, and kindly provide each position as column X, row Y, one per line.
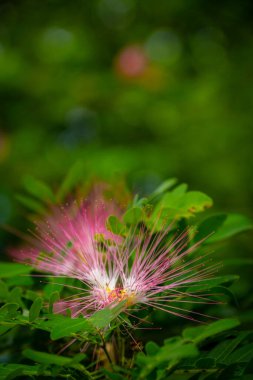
column 140, row 268
column 145, row 270
column 64, row 242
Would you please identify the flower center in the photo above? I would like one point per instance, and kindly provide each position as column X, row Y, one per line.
column 119, row 294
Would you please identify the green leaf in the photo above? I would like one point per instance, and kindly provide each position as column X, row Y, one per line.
column 213, row 282
column 4, row 293
column 31, row 204
column 54, row 297
column 4, row 329
column 52, row 287
column 114, row 225
column 12, row 371
column 45, row 358
column 210, row 226
column 38, row 189
column 11, row 270
column 15, row 296
column 9, row 310
column 205, row 362
column 236, row 262
column 200, row 333
column 151, row 348
column 113, row 376
column 103, row 318
column 63, row 326
column 20, row 281
column 166, row 185
column 224, row 349
column 234, row 224
column 195, row 201
column 174, row 351
column 74, row 175
column 241, row 355
column 133, row 216
column 35, row 309
column 176, row 205
column 30, row 295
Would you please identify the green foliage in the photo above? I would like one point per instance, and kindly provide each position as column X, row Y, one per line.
column 198, row 334
column 173, row 350
column 133, row 216
column 233, row 224
column 135, row 91
column 45, row 358
column 34, row 311
column 75, row 174
column 12, row 270
column 115, row 225
column 212, row 349
column 38, row 189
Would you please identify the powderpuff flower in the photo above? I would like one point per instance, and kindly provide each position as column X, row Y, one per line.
column 142, row 267
column 64, row 241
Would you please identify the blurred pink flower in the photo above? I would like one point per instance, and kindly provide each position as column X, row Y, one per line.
column 64, row 242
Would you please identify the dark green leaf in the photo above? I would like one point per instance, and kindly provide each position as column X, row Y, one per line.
column 174, row 351
column 54, row 297
column 151, row 348
column 35, row 309
column 4, row 329
column 9, row 310
column 213, row 282
column 205, row 363
column 31, row 204
column 38, row 189
column 200, row 333
column 12, row 371
column 241, row 355
column 224, row 349
column 4, row 293
column 234, row 224
column 74, row 175
column 210, row 226
column 45, row 358
column 237, row 262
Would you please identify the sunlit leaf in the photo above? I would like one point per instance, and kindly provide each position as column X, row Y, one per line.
column 133, row 216
column 114, row 225
column 63, row 326
column 165, row 186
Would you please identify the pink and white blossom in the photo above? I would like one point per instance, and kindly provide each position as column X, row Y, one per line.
column 140, row 267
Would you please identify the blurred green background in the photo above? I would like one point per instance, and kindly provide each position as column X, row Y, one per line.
column 134, row 89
